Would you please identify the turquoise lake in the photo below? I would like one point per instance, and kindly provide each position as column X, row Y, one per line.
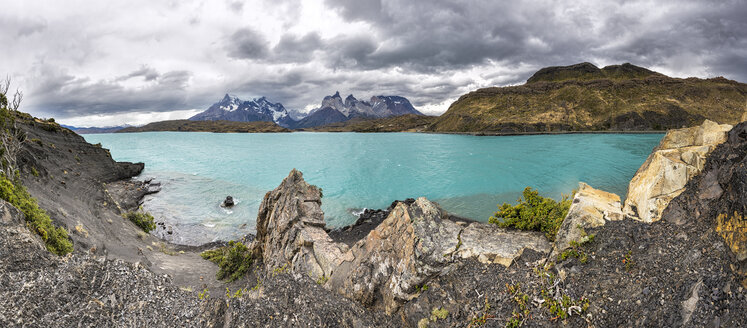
column 467, row 175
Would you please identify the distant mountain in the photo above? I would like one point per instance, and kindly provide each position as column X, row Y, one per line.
column 334, row 110
column 208, row 126
column 583, row 97
column 94, row 130
column 231, row 108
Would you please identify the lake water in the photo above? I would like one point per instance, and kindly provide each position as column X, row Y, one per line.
column 467, row 175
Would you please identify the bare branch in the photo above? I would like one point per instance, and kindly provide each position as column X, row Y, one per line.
column 5, row 85
column 16, row 101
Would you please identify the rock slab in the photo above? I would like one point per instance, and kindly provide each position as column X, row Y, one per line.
column 679, row 157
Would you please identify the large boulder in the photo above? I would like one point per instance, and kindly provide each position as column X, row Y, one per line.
column 590, row 208
column 416, row 242
column 679, row 156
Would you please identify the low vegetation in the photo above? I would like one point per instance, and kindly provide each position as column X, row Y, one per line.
column 37, row 220
column 544, row 297
column 207, row 126
column 141, row 219
column 576, row 249
column 409, row 122
column 533, row 212
column 234, row 260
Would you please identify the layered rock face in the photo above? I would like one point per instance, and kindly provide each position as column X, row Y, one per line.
column 719, row 194
column 416, row 242
column 679, row 157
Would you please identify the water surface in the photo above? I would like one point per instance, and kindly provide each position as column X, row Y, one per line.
column 467, row 175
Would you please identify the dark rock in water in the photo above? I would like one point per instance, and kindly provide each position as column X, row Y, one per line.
column 152, row 187
column 228, row 202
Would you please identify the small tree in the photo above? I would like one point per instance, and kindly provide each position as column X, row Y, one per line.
column 11, row 136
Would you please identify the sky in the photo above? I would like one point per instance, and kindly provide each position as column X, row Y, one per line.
column 103, row 63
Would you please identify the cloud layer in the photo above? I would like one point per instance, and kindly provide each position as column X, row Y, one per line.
column 91, row 62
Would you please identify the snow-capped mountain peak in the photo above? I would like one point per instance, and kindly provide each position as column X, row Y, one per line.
column 232, row 108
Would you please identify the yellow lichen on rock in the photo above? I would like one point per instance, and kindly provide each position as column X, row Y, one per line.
column 733, row 228
column 679, row 157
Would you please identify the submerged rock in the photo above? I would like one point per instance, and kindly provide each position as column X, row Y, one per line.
column 679, row 157
column 228, row 202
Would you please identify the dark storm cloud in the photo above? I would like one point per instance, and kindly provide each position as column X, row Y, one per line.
column 246, row 43
column 146, row 72
column 65, row 95
column 439, row 35
column 294, row 49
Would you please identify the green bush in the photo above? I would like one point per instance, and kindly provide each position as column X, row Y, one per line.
column 234, row 260
column 141, row 219
column 37, row 220
column 533, row 212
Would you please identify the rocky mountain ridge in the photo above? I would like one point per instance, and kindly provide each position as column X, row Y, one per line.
column 334, row 109
column 231, row 108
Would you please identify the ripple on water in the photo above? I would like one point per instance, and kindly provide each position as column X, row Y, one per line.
column 467, row 175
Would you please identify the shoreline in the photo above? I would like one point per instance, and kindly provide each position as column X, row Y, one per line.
column 500, row 134
column 477, row 134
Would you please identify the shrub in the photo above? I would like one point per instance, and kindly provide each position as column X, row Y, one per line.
column 141, row 219
column 533, row 212
column 37, row 220
column 233, row 260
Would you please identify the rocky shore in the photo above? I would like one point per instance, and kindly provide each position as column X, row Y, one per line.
column 672, row 255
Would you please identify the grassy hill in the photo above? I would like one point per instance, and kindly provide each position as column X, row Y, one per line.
column 402, row 123
column 207, row 126
column 583, row 97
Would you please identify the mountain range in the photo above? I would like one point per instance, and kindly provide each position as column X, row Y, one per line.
column 231, row 108
column 332, row 110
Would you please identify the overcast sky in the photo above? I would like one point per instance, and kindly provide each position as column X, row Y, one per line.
column 96, row 63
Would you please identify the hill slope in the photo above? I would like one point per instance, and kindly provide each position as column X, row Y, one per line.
column 402, row 123
column 584, row 97
column 207, row 126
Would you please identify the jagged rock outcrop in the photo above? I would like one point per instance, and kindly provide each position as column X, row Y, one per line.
column 590, row 208
column 679, row 156
column 415, row 242
column 290, row 230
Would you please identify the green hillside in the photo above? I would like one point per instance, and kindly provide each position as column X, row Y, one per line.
column 583, row 97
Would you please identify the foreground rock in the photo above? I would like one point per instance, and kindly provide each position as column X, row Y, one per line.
column 591, row 208
column 388, row 267
column 679, row 156
column 719, row 196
